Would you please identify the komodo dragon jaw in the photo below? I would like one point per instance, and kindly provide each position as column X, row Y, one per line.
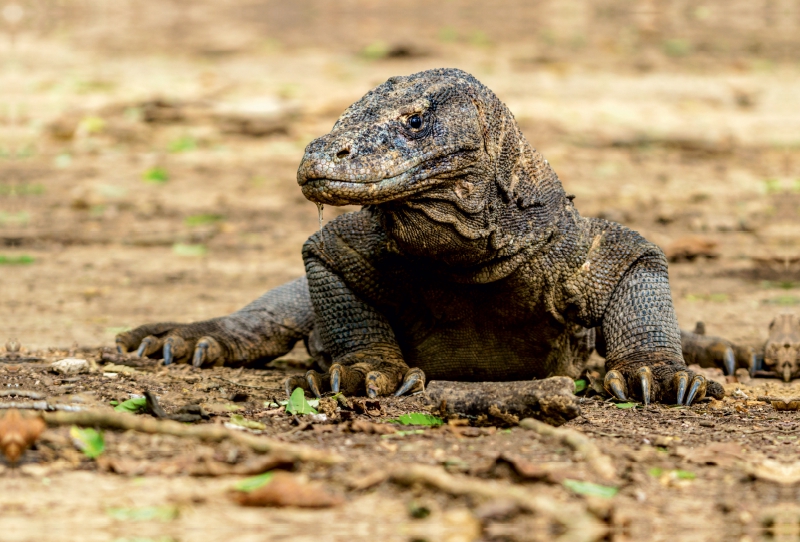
column 403, row 138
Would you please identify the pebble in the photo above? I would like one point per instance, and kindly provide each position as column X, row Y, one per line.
column 70, row 366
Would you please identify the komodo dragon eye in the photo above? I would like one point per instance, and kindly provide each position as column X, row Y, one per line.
column 415, row 122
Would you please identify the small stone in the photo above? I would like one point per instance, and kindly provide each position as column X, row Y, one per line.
column 70, row 366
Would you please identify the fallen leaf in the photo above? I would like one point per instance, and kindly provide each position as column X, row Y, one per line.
column 241, row 421
column 580, row 385
column 254, row 482
column 626, row 405
column 369, row 407
column 137, row 404
column 590, row 489
column 419, row 418
column 284, row 489
column 18, row 433
column 678, row 474
column 88, row 440
column 297, row 403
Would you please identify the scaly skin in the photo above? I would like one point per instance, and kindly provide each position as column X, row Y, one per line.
column 468, row 261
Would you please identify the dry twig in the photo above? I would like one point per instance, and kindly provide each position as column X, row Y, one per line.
column 208, row 432
column 579, row 523
column 600, row 463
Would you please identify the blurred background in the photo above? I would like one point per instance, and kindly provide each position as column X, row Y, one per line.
column 148, row 149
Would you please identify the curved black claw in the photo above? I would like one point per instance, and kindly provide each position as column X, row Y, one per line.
column 729, row 361
column 336, row 378
column 614, row 384
column 697, row 389
column 167, row 352
column 755, row 364
column 314, row 383
column 414, row 379
column 294, row 382
column 200, row 353
column 119, row 349
column 681, row 383
column 146, row 342
column 372, row 385
column 646, row 378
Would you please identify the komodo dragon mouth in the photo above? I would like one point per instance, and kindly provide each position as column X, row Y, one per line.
column 395, row 182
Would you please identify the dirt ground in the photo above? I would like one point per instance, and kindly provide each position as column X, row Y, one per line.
column 147, row 173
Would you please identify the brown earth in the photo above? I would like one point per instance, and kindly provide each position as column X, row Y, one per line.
column 147, row 173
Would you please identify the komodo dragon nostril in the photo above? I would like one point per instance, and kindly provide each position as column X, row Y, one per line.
column 342, row 153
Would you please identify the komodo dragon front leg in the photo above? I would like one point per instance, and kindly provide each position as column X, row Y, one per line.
column 643, row 349
column 360, row 340
column 265, row 329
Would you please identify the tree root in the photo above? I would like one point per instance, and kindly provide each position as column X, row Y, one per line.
column 600, row 463
column 576, row 520
column 208, row 432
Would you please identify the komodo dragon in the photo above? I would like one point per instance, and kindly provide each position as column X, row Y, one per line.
column 467, row 261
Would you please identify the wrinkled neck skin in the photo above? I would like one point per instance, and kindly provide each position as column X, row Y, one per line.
column 483, row 221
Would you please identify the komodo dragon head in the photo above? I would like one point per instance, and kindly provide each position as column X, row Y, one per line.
column 782, row 350
column 437, row 148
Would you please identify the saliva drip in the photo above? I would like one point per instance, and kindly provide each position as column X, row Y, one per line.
column 320, row 208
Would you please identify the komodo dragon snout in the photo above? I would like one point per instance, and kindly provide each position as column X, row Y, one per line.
column 406, row 136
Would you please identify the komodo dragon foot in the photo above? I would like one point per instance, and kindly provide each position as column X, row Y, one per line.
column 662, row 383
column 373, row 378
column 203, row 344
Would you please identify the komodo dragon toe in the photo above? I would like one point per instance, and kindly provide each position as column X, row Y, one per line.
column 368, row 379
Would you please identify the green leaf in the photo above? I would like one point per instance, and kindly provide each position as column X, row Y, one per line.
column 183, row 249
column 183, row 144
column 419, row 418
column 588, row 488
column 680, row 474
column 155, row 175
column 16, row 260
column 297, row 403
column 580, row 385
column 203, row 219
column 145, row 513
column 254, row 482
column 626, row 405
column 241, row 421
column 113, row 403
column 375, row 50
column 89, row 441
column 133, row 406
